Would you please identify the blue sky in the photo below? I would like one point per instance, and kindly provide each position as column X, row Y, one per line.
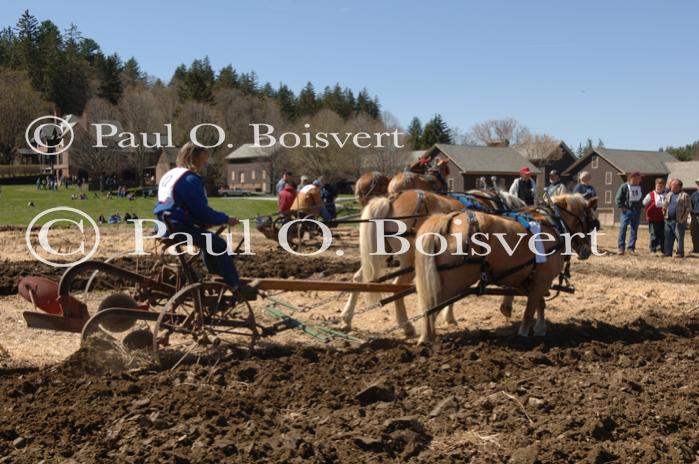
column 625, row 72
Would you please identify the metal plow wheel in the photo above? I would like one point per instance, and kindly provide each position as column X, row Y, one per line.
column 203, row 317
column 302, row 235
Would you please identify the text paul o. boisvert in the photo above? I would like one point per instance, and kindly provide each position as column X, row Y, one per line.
column 263, row 135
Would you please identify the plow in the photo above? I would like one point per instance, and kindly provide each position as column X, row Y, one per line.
column 174, row 305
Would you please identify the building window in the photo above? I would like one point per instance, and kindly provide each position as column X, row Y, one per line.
column 242, row 177
column 450, row 184
column 608, row 197
column 232, row 175
column 608, row 178
column 264, row 174
column 595, row 162
column 252, row 174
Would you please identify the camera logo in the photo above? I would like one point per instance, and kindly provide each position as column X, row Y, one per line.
column 44, row 245
column 49, row 135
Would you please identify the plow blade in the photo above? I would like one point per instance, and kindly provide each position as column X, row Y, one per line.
column 37, row 320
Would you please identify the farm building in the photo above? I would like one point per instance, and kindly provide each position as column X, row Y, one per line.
column 686, row 171
column 548, row 156
column 609, row 169
column 251, row 168
column 467, row 164
column 167, row 159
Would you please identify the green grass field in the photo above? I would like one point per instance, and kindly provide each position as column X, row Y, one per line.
column 14, row 200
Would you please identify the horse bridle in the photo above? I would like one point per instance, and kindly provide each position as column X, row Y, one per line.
column 586, row 222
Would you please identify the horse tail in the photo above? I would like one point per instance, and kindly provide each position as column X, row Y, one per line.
column 427, row 279
column 372, row 264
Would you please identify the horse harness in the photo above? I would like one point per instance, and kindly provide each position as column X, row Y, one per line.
column 487, row 275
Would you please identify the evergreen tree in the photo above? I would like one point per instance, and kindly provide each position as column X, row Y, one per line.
column 268, row 91
column 363, row 101
column 65, row 72
column 109, row 72
column 436, row 131
column 248, row 83
column 131, row 73
column 415, row 133
column 27, row 47
column 600, row 143
column 287, row 102
column 227, row 78
column 307, row 103
column 90, row 51
column 198, row 82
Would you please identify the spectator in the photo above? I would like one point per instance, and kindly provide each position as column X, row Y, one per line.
column 325, row 212
column 584, row 188
column 653, row 202
column 127, row 217
column 38, row 183
column 556, row 186
column 283, row 182
column 629, row 199
column 695, row 219
column 676, row 208
column 328, row 194
column 101, row 219
column 524, row 187
column 305, row 180
column 114, row 219
column 287, row 197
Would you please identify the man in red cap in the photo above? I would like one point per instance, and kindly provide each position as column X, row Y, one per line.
column 524, row 187
column 629, row 199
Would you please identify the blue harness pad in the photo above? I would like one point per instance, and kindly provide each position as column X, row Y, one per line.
column 523, row 219
column 469, row 201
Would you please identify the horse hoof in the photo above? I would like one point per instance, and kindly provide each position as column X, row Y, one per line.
column 540, row 331
column 345, row 327
column 506, row 310
column 524, row 333
column 409, row 331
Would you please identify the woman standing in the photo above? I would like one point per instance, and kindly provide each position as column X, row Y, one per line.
column 653, row 202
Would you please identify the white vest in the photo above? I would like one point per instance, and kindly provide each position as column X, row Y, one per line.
column 166, row 187
column 307, row 188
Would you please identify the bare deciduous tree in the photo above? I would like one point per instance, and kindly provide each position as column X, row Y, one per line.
column 499, row 130
column 140, row 113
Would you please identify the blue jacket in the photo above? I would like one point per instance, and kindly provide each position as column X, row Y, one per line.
column 191, row 205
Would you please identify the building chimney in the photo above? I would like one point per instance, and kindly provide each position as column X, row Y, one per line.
column 499, row 143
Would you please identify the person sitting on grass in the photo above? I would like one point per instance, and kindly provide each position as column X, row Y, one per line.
column 182, row 197
column 114, row 219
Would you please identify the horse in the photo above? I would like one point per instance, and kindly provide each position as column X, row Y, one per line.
column 414, row 206
column 370, row 185
column 518, row 270
column 433, row 179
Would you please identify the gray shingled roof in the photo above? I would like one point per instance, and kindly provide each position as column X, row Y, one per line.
column 628, row 161
column 686, row 171
column 485, row 160
column 550, row 150
column 248, row 151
